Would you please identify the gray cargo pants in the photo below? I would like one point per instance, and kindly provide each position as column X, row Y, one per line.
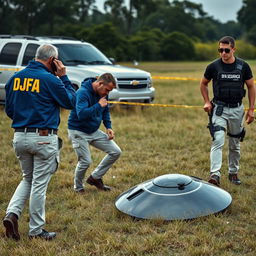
column 38, row 157
column 80, row 142
column 232, row 120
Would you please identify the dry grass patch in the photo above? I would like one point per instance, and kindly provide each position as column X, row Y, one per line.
column 155, row 141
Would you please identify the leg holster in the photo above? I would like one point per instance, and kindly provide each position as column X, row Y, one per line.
column 240, row 135
column 215, row 128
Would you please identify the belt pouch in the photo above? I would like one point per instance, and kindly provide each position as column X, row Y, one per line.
column 219, row 110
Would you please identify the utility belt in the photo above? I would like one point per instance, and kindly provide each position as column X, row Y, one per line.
column 40, row 131
column 229, row 105
column 221, row 104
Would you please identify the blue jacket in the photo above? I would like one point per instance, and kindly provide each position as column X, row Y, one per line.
column 34, row 97
column 88, row 114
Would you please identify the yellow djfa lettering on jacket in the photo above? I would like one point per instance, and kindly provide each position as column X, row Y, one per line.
column 29, row 84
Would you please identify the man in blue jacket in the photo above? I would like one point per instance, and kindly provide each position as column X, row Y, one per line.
column 83, row 129
column 33, row 100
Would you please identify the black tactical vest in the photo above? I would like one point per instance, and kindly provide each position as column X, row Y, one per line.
column 229, row 86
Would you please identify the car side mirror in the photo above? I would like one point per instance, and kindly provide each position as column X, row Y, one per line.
column 113, row 61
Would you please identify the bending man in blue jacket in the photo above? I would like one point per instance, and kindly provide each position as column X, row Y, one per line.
column 83, row 129
column 33, row 100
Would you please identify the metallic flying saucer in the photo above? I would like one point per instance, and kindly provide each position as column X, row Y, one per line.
column 173, row 197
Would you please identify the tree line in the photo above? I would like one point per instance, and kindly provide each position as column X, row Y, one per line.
column 142, row 30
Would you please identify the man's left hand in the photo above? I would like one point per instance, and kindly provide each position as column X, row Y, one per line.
column 250, row 116
column 110, row 134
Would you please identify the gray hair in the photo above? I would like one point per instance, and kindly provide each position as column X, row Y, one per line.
column 45, row 51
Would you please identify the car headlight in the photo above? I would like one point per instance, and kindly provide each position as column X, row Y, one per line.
column 150, row 84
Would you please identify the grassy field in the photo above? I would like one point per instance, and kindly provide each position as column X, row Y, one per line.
column 155, row 141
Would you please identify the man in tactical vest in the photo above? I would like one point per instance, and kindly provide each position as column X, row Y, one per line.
column 226, row 111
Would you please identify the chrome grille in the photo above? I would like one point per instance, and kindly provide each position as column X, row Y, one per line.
column 132, row 83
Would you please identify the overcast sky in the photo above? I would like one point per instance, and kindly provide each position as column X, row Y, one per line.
column 222, row 10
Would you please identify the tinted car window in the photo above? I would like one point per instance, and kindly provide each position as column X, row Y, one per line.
column 9, row 53
column 75, row 54
column 30, row 53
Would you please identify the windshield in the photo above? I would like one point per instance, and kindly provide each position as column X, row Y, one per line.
column 75, row 54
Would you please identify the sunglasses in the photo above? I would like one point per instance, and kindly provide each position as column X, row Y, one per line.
column 226, row 50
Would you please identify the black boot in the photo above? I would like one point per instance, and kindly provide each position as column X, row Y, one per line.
column 45, row 235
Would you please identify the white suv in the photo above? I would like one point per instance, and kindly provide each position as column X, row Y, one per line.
column 82, row 60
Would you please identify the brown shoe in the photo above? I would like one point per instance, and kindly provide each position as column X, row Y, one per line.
column 215, row 180
column 11, row 225
column 98, row 183
column 234, row 178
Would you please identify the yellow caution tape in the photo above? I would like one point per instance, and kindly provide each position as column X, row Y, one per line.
column 158, row 105
column 10, row 69
column 179, row 78
column 176, row 78
column 152, row 105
